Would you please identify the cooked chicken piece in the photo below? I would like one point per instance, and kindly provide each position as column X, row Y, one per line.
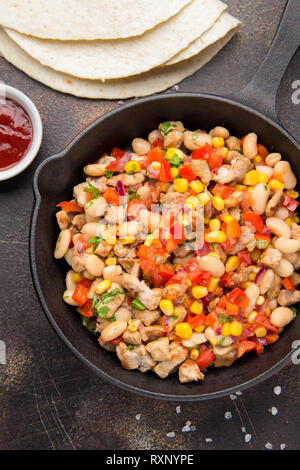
column 127, row 180
column 173, row 139
column 201, row 169
column 234, row 200
column 270, row 258
column 159, row 349
column 273, row 204
column 182, row 251
column 242, row 275
column 99, row 168
column 136, row 358
column 132, row 338
column 212, row 304
column 103, row 249
column 115, row 214
column 107, row 346
column 178, row 354
column 266, row 281
column 136, row 269
column 149, row 221
column 274, row 290
column 224, row 175
column 288, row 297
column 234, row 172
column 182, row 261
column 235, row 212
column 172, row 198
column 195, row 339
column 63, row 220
column 101, row 323
column 232, row 155
column 225, row 355
column 120, row 250
column 295, row 278
column 78, row 190
column 79, row 221
column 153, row 332
column 224, row 361
column 295, row 231
column 127, row 264
column 175, row 292
column 219, row 250
column 99, row 183
column 148, row 317
column 189, row 372
column 247, row 240
column 149, row 297
column 113, row 304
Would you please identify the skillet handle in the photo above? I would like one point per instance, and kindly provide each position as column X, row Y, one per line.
column 261, row 92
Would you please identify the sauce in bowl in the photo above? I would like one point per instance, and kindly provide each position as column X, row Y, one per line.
column 16, row 133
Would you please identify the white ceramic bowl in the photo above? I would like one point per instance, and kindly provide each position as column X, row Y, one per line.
column 29, row 107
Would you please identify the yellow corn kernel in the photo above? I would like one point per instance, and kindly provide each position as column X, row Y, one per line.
column 260, row 300
column 102, row 286
column 240, row 187
column 223, row 151
column 155, row 165
column 199, row 291
column 90, row 250
column 252, row 276
column 236, row 328
column 232, row 264
column 194, row 354
column 251, row 178
column 268, row 311
column 213, row 284
column 206, row 220
column 192, row 202
column 149, row 240
column 280, row 330
column 215, row 237
column 203, row 198
column 167, row 307
column 227, row 218
column 292, row 193
column 218, row 142
column 132, row 167
column 252, row 316
column 289, row 221
column 196, row 186
column 214, row 254
column 218, row 203
column 133, row 325
column 110, row 261
column 213, row 341
column 274, row 185
column 199, row 328
column 261, row 332
column 225, row 330
column 246, row 284
column 174, row 172
column 109, row 237
column 214, row 224
column 250, row 189
column 258, row 159
column 174, row 151
column 263, row 178
column 127, row 240
column 196, row 308
column 181, row 185
column 188, row 283
column 296, row 219
column 76, row 278
column 183, row 330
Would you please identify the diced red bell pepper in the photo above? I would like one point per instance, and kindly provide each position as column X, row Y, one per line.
column 166, row 272
column 111, row 196
column 157, row 279
column 215, row 161
column 271, row 337
column 232, row 309
column 205, row 359
column 245, row 346
column 117, row 153
column 197, row 320
column 259, row 348
column 179, row 278
column 116, row 340
column 187, row 172
column 81, row 243
column 177, row 232
column 262, row 320
column 238, row 297
column 80, row 294
column 148, row 252
column 244, row 258
column 203, row 153
column 262, row 151
column 157, row 155
column 229, row 244
column 254, row 219
column 290, row 203
column 261, row 236
column 86, row 310
column 212, row 318
column 69, row 206
column 147, row 265
column 195, row 274
column 171, row 246
column 222, row 190
column 225, row 279
column 157, row 143
column 287, row 284
column 246, row 201
column 233, row 229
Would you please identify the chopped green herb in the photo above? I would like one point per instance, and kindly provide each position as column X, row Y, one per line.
column 220, row 343
column 294, row 310
column 130, row 346
column 112, row 319
column 87, row 324
column 101, row 311
column 66, row 297
column 175, row 160
column 224, row 318
column 109, row 296
column 195, row 136
column 95, row 241
column 132, row 195
column 212, row 245
column 164, row 127
column 137, row 304
column 261, row 244
column 93, row 189
column 59, row 238
column 133, row 166
column 175, row 317
column 266, row 187
column 239, row 299
column 88, row 205
column 108, row 174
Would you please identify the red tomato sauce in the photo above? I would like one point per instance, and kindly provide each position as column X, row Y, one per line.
column 16, row 133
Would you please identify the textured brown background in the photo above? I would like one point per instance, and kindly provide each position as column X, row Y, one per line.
column 48, row 399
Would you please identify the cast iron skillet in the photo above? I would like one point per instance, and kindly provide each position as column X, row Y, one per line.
column 56, row 176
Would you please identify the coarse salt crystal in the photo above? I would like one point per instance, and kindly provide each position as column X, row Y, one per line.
column 228, row 415
column 186, row 428
column 193, row 428
column 171, row 434
column 238, row 393
column 277, row 390
column 248, row 437
column 243, row 429
column 274, row 410
column 208, row 439
column 138, row 417
column 282, row 446
column 268, row 446
column 178, row 410
column 233, row 397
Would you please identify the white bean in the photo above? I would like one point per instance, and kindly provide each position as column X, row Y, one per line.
column 283, row 172
column 69, row 283
column 213, row 338
column 279, row 227
column 233, row 143
column 265, row 170
column 62, row 244
column 287, row 245
column 94, row 265
column 67, row 297
column 123, row 314
column 284, row 268
column 114, row 330
column 219, row 131
column 140, row 146
column 69, row 256
column 252, row 292
column 90, row 229
column 250, row 145
column 292, row 257
column 154, row 135
column 259, row 198
column 96, row 207
column 272, row 159
column 281, row 316
column 213, row 265
column 112, row 273
column 282, row 213
column 194, row 140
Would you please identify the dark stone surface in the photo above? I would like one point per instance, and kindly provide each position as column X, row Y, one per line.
column 48, row 399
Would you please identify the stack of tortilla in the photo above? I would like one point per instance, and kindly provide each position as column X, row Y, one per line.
column 113, row 49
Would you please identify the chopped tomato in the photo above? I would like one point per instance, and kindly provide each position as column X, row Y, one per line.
column 271, row 337
column 222, row 190
column 262, row 151
column 157, row 143
column 117, row 153
column 166, row 272
column 203, row 153
column 148, row 252
column 157, row 155
column 262, row 320
column 187, row 172
column 244, row 257
column 225, row 279
column 171, row 246
column 80, row 294
column 215, row 161
column 253, row 219
column 290, row 203
column 205, row 359
column 259, row 348
column 246, row 201
column 81, row 243
column 115, row 341
column 179, row 278
column 229, row 244
column 245, row 346
column 238, row 297
column 197, row 320
column 233, row 229
column 157, row 279
column 232, row 309
column 147, row 265
column 287, row 284
column 212, row 318
column 86, row 310
column 112, row 197
column 177, row 232
column 69, row 206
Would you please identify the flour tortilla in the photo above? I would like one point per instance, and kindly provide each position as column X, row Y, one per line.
column 86, row 19
column 126, row 57
column 142, row 85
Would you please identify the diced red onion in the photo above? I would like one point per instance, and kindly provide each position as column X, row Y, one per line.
column 153, row 173
column 266, row 231
column 259, row 275
column 218, row 330
column 121, row 189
